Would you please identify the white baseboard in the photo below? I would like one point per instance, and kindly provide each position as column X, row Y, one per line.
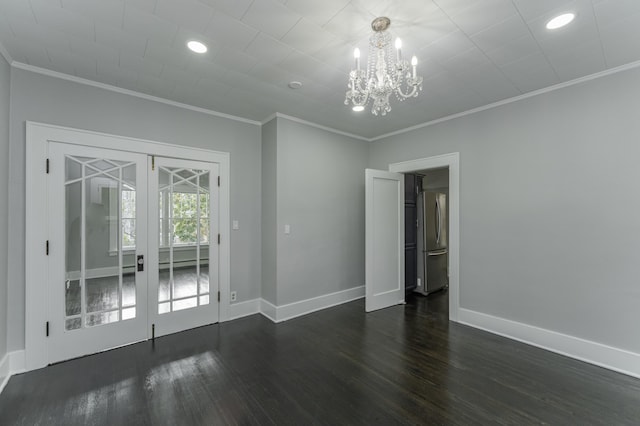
column 5, row 371
column 17, row 362
column 268, row 309
column 615, row 359
column 304, row 307
column 12, row 363
column 243, row 309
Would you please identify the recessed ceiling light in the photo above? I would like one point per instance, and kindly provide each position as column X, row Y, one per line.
column 295, row 84
column 196, row 46
column 358, row 108
column 560, row 21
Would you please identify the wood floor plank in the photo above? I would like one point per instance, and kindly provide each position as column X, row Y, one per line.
column 402, row 365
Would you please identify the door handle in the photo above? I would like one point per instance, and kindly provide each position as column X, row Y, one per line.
column 140, row 263
column 438, row 223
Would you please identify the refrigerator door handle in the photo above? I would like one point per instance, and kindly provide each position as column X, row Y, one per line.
column 438, row 222
column 437, row 253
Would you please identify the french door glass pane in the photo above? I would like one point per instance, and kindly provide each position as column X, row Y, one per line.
column 72, row 298
column 100, row 231
column 184, row 238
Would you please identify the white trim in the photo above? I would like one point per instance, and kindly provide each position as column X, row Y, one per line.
column 318, row 126
column 116, row 89
column 224, row 228
column 36, row 232
column 542, row 91
column 268, row 309
column 243, row 309
column 12, row 363
column 609, row 357
column 17, row 362
column 5, row 371
column 269, row 118
column 5, row 54
column 126, row 143
column 452, row 161
column 303, row 307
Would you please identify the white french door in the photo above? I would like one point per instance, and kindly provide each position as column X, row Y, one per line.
column 184, row 215
column 132, row 247
column 97, row 227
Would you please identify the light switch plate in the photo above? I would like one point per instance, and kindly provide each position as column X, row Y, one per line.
column 236, row 225
column 287, row 229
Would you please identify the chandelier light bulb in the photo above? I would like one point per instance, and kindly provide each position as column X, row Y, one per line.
column 358, row 108
column 356, row 53
column 414, row 63
column 398, row 43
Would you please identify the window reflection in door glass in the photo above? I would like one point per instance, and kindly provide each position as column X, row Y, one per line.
column 184, row 238
column 100, row 221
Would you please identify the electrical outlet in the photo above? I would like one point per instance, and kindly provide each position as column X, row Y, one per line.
column 234, row 296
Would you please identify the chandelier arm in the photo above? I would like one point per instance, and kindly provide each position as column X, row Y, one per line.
column 412, row 93
column 358, row 94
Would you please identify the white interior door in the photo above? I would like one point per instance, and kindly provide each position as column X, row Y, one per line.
column 97, row 227
column 184, row 262
column 384, row 235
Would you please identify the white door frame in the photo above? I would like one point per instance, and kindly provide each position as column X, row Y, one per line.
column 37, row 137
column 452, row 161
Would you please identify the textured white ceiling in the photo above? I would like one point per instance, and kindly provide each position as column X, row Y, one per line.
column 471, row 52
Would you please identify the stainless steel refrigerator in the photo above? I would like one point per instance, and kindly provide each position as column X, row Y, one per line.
column 432, row 245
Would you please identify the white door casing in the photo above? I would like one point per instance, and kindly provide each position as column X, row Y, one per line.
column 37, row 270
column 384, row 239
column 452, row 161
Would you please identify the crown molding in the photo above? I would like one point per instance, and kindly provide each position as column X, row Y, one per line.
column 318, row 126
column 518, row 98
column 111, row 88
column 269, row 118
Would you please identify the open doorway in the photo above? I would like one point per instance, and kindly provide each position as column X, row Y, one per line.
column 444, row 172
column 426, row 232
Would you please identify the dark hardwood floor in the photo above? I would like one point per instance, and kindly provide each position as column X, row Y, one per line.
column 402, row 365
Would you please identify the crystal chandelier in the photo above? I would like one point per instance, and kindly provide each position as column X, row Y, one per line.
column 386, row 73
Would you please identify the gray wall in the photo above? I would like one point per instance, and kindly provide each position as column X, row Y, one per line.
column 436, row 180
column 269, row 211
column 5, row 78
column 320, row 194
column 549, row 207
column 45, row 99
